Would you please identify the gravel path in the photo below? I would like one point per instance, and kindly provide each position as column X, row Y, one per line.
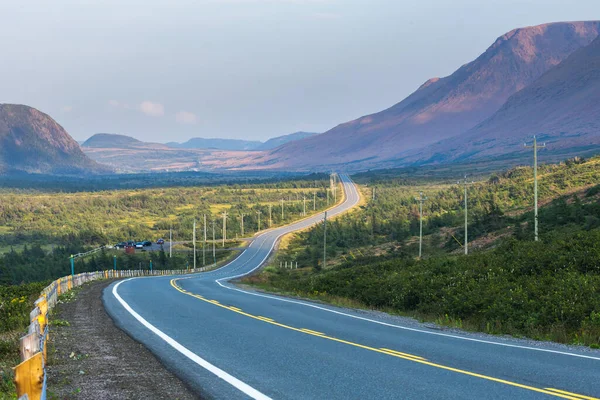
column 90, row 358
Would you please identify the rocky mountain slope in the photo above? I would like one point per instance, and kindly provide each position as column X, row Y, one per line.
column 31, row 141
column 440, row 108
column 562, row 108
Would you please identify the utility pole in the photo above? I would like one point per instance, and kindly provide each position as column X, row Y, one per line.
column 224, row 227
column 421, row 199
column 204, row 244
column 315, row 201
column 214, row 252
column 304, row 205
column 325, row 240
column 171, row 241
column 259, row 212
column 535, row 147
column 270, row 215
column 281, row 210
column 194, row 239
column 327, row 197
column 466, row 216
column 242, row 224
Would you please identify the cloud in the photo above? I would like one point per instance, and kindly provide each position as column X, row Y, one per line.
column 152, row 109
column 186, row 117
column 67, row 109
column 114, row 103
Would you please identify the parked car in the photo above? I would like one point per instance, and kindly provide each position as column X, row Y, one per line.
column 147, row 243
column 131, row 243
column 160, row 241
column 120, row 245
column 139, row 245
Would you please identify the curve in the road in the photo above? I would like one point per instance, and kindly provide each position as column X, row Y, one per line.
column 278, row 347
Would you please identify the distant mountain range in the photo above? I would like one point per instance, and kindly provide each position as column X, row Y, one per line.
column 542, row 80
column 236, row 144
column 32, row 142
column 450, row 107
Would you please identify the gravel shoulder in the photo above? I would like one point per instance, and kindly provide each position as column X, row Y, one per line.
column 90, row 358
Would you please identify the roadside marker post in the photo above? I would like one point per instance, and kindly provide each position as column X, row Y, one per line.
column 115, row 262
column 72, row 265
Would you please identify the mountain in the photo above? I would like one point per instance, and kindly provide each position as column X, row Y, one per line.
column 32, row 142
column 280, row 140
column 441, row 107
column 562, row 107
column 221, row 144
column 116, row 141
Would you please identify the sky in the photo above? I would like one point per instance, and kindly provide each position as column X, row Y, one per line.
column 170, row 70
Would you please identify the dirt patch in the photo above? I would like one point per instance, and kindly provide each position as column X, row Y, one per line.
column 90, row 358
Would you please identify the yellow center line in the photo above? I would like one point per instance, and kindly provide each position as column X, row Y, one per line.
column 393, row 353
column 311, row 331
column 579, row 396
column 235, row 308
column 402, row 354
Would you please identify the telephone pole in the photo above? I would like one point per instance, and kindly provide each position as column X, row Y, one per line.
column 214, row 241
column 204, row 244
column 304, row 205
column 194, row 240
column 325, row 240
column 270, row 215
column 466, row 216
column 242, row 224
column 421, row 199
column 171, row 241
column 315, row 201
column 281, row 210
column 224, row 227
column 259, row 212
column 535, row 147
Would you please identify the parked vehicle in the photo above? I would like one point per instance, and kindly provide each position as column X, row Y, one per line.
column 131, row 243
column 139, row 245
column 147, row 243
column 160, row 241
column 120, row 245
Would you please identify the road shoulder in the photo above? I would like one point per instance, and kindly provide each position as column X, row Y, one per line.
column 91, row 358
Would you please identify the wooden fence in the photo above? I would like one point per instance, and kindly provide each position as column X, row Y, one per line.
column 30, row 374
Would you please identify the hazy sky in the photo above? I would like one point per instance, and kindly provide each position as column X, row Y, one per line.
column 165, row 70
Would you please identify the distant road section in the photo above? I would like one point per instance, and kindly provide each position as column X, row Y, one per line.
column 228, row 343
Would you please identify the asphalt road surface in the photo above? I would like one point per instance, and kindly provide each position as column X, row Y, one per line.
column 229, row 343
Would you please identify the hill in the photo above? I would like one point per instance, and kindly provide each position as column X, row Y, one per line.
column 32, row 142
column 280, row 140
column 441, row 107
column 562, row 107
column 214, row 143
column 116, row 141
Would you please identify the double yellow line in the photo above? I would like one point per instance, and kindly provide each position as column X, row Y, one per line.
column 410, row 357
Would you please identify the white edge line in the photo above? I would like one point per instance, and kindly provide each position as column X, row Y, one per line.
column 218, row 281
column 243, row 387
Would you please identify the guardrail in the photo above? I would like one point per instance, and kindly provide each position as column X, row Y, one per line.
column 30, row 374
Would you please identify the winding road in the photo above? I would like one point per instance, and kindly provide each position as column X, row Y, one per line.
column 229, row 343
